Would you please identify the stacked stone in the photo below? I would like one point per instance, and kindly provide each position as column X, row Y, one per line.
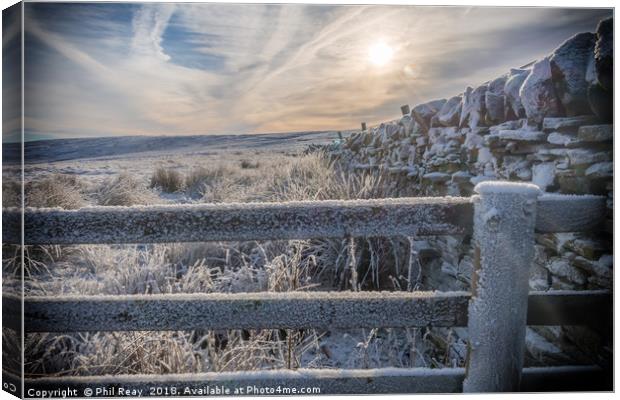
column 548, row 123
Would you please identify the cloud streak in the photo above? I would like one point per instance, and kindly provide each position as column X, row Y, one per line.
column 120, row 69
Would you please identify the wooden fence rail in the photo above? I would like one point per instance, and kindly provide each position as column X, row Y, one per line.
column 289, row 310
column 251, row 221
column 496, row 312
column 291, row 220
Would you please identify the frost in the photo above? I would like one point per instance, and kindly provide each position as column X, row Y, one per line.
column 600, row 170
column 522, row 135
column 257, row 296
column 569, row 212
column 569, row 197
column 506, row 187
column 543, row 175
column 498, row 307
column 245, row 221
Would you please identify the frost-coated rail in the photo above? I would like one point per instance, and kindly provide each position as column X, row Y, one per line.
column 288, row 310
column 503, row 217
column 290, row 220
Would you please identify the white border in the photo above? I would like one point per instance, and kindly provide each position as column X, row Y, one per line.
column 487, row 3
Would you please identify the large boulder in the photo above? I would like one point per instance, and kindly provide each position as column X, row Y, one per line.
column 473, row 106
column 494, row 100
column 604, row 53
column 423, row 113
column 450, row 113
column 569, row 66
column 538, row 94
column 513, row 106
column 600, row 91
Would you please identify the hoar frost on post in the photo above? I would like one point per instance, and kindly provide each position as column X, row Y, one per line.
column 504, row 220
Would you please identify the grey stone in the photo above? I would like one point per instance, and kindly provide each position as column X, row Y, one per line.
column 538, row 93
column 562, row 268
column 473, row 140
column 597, row 282
column 563, row 139
column 450, row 112
column 601, row 170
column 558, row 283
column 589, row 248
column 542, row 351
column 412, row 171
column 473, row 109
column 436, row 177
column 516, row 167
column 571, row 184
column 512, row 125
column 522, row 135
column 494, row 101
column 600, row 268
column 513, row 106
column 407, row 122
column 587, row 156
column 543, row 175
column 461, row 177
column 454, row 133
column 596, row 133
column 600, row 74
column 569, row 64
column 423, row 113
column 569, row 124
column 604, row 53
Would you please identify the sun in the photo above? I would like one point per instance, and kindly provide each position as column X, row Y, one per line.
column 379, row 54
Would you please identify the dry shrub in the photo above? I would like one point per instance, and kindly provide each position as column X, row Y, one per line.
column 58, row 190
column 110, row 353
column 11, row 192
column 247, row 164
column 316, row 177
column 124, row 190
column 11, row 351
column 203, row 179
column 167, row 179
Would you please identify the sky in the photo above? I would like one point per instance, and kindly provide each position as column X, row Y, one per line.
column 184, row 69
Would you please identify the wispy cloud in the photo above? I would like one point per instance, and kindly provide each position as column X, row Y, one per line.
column 149, row 24
column 120, row 69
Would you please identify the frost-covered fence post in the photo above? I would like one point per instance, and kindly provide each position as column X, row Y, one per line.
column 504, row 220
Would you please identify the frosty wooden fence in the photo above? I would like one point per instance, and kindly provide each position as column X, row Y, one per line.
column 496, row 312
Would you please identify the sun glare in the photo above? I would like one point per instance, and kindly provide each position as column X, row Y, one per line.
column 380, row 54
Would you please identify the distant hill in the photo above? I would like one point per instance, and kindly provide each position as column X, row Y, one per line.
column 122, row 146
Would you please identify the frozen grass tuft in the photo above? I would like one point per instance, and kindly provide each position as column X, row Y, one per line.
column 167, row 179
column 58, row 190
column 316, row 177
column 247, row 164
column 124, row 190
column 11, row 192
column 201, row 179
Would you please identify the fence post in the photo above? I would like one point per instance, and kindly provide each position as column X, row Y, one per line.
column 504, row 219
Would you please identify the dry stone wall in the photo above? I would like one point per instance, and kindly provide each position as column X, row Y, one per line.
column 550, row 123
